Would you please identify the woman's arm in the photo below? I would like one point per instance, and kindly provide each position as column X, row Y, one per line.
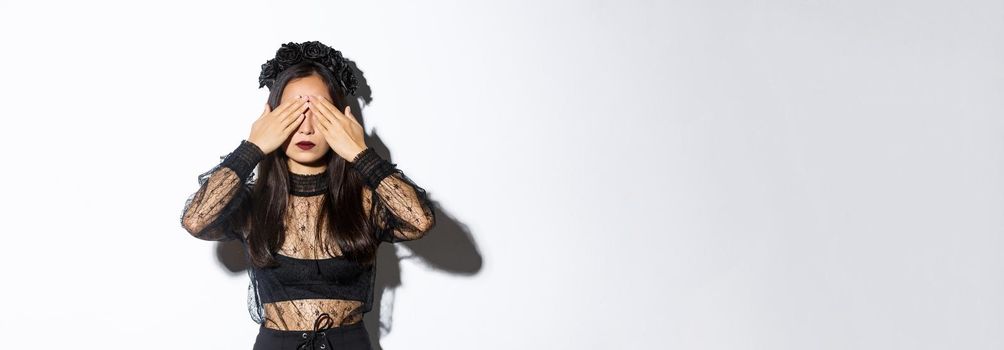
column 401, row 209
column 209, row 212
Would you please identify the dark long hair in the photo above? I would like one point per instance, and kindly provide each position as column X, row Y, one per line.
column 343, row 200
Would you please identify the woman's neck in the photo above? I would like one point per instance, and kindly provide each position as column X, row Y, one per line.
column 306, row 169
column 307, row 179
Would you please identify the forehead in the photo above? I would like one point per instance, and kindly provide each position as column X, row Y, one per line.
column 309, row 85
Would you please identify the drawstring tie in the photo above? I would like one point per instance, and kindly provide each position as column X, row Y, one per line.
column 319, row 329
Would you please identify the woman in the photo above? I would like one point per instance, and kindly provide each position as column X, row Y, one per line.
column 311, row 226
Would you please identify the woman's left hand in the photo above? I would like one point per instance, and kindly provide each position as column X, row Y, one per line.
column 341, row 130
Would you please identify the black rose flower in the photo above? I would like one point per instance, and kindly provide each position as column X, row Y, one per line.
column 268, row 71
column 289, row 53
column 348, row 80
column 335, row 61
column 314, row 50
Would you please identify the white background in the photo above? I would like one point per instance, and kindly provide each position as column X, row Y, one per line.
column 610, row 175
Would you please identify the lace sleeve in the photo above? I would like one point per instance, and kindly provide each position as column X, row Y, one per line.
column 401, row 209
column 210, row 212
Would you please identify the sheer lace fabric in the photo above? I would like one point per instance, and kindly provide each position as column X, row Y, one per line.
column 289, row 297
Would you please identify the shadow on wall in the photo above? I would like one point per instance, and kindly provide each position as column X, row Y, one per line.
column 447, row 247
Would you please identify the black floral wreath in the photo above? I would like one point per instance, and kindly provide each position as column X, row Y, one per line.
column 292, row 53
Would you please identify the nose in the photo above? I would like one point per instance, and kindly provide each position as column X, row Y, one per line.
column 307, row 125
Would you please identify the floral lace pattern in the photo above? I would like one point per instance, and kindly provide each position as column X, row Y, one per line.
column 403, row 212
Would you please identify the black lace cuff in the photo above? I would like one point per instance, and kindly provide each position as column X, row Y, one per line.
column 372, row 167
column 243, row 159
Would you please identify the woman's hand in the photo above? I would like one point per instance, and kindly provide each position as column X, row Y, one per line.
column 341, row 130
column 272, row 128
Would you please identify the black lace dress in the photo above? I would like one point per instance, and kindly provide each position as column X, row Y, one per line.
column 310, row 287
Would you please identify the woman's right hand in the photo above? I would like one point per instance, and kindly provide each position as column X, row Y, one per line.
column 272, row 128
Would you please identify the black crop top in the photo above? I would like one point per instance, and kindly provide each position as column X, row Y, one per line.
column 307, row 283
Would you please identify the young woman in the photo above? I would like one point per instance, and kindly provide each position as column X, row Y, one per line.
column 323, row 202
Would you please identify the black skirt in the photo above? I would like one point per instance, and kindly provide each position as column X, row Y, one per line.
column 349, row 337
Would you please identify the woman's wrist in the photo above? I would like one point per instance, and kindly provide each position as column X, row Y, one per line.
column 371, row 167
column 243, row 159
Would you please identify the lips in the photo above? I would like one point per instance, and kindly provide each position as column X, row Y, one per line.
column 305, row 145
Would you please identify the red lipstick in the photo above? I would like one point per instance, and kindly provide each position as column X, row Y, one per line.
column 305, row 145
